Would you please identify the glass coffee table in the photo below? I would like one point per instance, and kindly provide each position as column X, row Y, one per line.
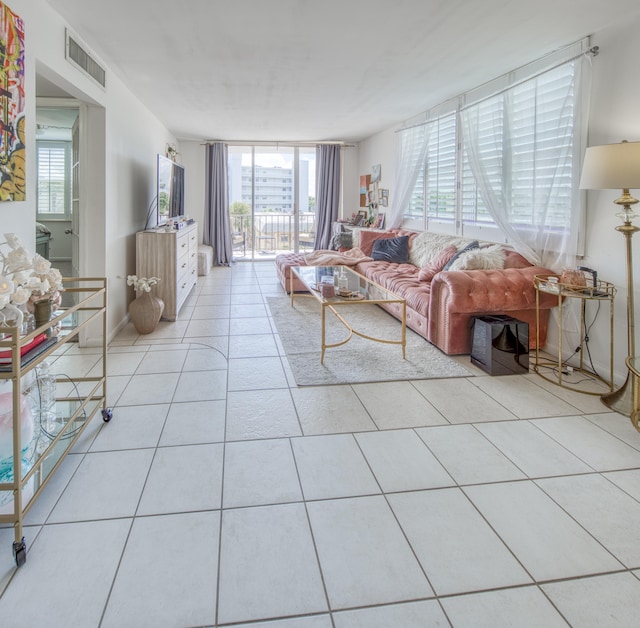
column 359, row 291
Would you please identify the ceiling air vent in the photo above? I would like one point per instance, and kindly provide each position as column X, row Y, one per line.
column 79, row 57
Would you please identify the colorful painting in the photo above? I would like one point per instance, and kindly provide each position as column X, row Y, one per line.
column 12, row 139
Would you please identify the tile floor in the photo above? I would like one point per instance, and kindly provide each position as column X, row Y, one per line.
column 222, row 494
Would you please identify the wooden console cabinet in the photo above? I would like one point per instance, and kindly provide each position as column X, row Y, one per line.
column 172, row 256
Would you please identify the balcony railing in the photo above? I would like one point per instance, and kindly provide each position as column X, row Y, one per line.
column 269, row 233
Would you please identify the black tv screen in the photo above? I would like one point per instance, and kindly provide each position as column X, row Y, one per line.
column 170, row 189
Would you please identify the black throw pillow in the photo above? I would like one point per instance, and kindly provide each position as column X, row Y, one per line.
column 391, row 250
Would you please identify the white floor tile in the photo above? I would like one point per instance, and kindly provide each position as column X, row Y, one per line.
column 268, row 566
column 207, row 327
column 596, row 602
column 618, row 425
column 427, row 614
column 590, row 500
column 468, row 456
column 458, row 550
column 401, row 462
column 459, row 401
column 313, row 621
column 628, row 481
column 525, row 607
column 545, row 539
column 260, row 473
column 202, row 358
column 330, row 410
column 523, row 398
column 531, row 450
column 210, row 311
column 395, row 405
column 183, row 479
column 50, row 495
column 193, row 422
column 250, row 326
column 201, row 386
column 256, row 374
column 596, row 447
column 587, row 404
column 364, row 556
column 155, row 388
column 137, row 427
column 261, row 414
column 168, row 587
column 105, row 485
column 62, row 559
column 255, row 346
column 332, row 466
column 162, row 362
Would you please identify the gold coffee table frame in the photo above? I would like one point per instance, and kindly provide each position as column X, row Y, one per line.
column 372, row 294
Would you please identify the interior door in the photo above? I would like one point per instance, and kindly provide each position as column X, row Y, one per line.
column 75, row 198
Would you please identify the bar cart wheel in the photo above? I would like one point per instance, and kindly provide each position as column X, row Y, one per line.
column 20, row 552
column 107, row 414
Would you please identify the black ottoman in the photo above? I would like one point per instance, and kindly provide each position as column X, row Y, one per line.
column 500, row 345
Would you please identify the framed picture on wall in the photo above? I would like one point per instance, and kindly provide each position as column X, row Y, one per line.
column 375, row 173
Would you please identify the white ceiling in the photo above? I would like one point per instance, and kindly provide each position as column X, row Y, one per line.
column 314, row 70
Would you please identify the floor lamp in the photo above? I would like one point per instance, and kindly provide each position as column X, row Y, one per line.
column 610, row 167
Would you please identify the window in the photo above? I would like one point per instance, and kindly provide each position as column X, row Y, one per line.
column 54, row 179
column 506, row 157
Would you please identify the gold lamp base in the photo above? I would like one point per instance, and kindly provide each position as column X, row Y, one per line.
column 620, row 400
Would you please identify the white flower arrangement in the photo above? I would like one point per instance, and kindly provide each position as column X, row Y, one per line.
column 24, row 276
column 142, row 284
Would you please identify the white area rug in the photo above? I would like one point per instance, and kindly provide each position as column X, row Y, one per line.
column 360, row 360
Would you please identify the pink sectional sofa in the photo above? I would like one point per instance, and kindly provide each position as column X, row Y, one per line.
column 441, row 304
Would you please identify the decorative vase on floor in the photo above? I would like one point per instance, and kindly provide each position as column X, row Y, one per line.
column 145, row 312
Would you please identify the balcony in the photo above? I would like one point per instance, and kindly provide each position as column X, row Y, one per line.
column 267, row 234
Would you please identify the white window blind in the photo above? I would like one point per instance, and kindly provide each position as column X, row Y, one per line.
column 506, row 156
column 54, row 179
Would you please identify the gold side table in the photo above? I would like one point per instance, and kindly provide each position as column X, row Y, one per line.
column 633, row 364
column 602, row 291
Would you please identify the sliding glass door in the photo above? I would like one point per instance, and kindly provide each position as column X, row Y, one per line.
column 271, row 200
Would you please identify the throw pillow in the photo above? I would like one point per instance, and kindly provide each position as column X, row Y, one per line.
column 391, row 250
column 484, row 258
column 472, row 245
column 429, row 271
column 367, row 238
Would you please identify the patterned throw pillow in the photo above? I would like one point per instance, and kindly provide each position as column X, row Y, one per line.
column 485, row 258
column 472, row 245
column 429, row 271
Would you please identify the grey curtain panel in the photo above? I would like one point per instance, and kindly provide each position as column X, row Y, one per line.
column 327, row 192
column 217, row 227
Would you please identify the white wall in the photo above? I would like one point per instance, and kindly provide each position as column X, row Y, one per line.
column 123, row 138
column 613, row 116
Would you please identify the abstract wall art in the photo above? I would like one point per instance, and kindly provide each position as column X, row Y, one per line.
column 12, row 102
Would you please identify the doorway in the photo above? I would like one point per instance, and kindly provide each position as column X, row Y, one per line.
column 271, row 200
column 57, row 215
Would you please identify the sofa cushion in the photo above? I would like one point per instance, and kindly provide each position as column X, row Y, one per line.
column 367, row 239
column 471, row 245
column 391, row 250
column 484, row 258
column 427, row 245
column 428, row 272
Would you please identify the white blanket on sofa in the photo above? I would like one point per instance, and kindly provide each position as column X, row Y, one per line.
column 334, row 258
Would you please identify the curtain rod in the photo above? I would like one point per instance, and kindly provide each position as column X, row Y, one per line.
column 592, row 51
column 274, row 143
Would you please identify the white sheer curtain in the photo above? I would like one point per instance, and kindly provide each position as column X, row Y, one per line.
column 411, row 149
column 525, row 159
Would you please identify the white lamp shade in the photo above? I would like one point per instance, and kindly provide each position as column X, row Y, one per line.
column 611, row 167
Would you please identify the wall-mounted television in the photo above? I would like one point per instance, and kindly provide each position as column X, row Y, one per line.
column 170, row 189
